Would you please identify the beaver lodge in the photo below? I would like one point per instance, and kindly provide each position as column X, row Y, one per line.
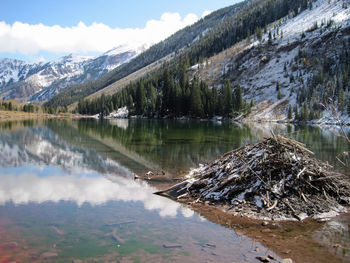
column 276, row 178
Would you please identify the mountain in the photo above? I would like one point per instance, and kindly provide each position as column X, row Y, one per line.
column 168, row 48
column 301, row 60
column 278, row 58
column 35, row 82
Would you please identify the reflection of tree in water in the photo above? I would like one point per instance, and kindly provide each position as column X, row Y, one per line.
column 174, row 145
column 326, row 145
column 178, row 145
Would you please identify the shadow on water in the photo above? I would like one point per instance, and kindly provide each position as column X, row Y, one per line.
column 66, row 189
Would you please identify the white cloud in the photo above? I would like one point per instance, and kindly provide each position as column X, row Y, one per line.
column 206, row 12
column 97, row 37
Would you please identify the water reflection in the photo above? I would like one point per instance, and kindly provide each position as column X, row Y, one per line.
column 40, row 146
column 176, row 146
column 78, row 174
column 37, row 165
column 92, row 189
column 336, row 232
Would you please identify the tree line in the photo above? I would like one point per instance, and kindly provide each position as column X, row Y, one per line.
column 8, row 105
column 170, row 93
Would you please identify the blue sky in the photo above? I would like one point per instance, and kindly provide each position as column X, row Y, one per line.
column 48, row 29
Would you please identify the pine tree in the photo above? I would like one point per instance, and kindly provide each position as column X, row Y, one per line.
column 166, row 90
column 178, row 99
column 214, row 102
column 205, row 97
column 279, row 95
column 152, row 101
column 195, row 101
column 270, row 37
column 296, row 112
column 305, row 113
column 341, row 100
column 140, row 99
column 227, row 92
column 290, row 113
column 258, row 33
column 238, row 101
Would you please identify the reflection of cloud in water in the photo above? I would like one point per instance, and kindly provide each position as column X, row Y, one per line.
column 25, row 188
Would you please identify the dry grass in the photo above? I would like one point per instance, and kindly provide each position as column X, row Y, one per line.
column 21, row 115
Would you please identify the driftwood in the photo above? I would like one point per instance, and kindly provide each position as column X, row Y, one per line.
column 150, row 176
column 275, row 178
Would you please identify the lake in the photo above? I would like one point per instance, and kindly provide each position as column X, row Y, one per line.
column 67, row 190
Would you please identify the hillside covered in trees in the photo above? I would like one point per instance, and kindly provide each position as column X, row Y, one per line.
column 170, row 93
column 216, row 32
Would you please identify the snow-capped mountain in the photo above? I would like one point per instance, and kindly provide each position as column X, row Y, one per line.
column 40, row 81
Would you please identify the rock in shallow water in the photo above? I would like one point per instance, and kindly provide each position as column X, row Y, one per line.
column 48, row 255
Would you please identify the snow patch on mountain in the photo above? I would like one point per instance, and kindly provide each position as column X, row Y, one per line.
column 323, row 10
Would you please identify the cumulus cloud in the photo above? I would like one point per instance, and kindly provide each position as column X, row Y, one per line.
column 97, row 37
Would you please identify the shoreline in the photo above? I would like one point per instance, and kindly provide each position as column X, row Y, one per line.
column 22, row 116
column 327, row 122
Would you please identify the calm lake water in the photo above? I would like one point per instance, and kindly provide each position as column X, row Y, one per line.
column 67, row 190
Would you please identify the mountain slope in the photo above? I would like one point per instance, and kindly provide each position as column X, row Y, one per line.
column 40, row 81
column 220, row 30
column 183, row 38
column 301, row 61
column 312, row 43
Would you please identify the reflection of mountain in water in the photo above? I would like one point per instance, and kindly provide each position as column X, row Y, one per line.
column 40, row 146
column 143, row 145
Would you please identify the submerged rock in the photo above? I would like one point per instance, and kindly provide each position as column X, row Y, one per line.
column 47, row 255
column 171, row 245
column 276, row 178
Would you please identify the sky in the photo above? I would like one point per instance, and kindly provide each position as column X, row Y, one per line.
column 43, row 30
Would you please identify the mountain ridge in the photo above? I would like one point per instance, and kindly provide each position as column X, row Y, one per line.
column 37, row 82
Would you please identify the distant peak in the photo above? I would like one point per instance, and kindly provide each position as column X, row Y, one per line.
column 118, row 50
column 74, row 58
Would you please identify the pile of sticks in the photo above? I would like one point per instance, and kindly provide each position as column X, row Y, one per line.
column 275, row 178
